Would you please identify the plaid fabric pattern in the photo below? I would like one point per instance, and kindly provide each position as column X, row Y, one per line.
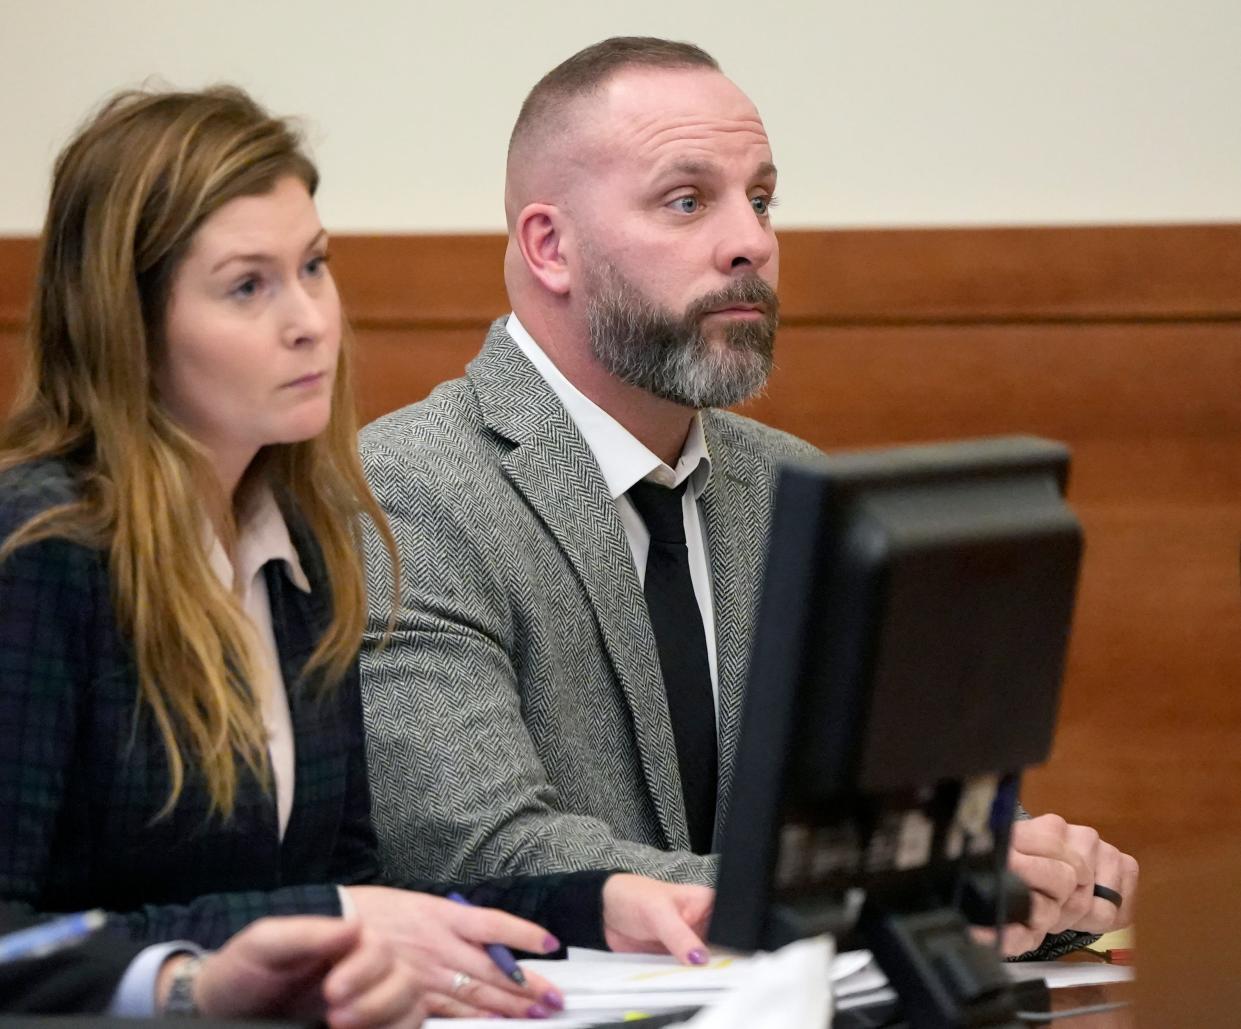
column 82, row 778
column 569, row 906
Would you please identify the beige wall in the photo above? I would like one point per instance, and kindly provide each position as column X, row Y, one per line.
column 882, row 112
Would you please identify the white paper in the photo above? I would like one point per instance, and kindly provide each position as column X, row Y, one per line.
column 777, row 990
column 787, row 988
column 614, row 957
column 1062, row 975
column 642, row 976
column 562, row 1021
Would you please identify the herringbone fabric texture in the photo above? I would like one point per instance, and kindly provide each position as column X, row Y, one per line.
column 516, row 719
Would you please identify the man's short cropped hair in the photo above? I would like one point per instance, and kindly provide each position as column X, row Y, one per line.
column 587, row 70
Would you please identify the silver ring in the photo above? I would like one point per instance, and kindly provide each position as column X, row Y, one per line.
column 460, row 980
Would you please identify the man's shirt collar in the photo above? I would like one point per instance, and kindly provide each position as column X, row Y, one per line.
column 623, row 458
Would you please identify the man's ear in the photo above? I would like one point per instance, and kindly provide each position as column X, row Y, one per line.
column 540, row 236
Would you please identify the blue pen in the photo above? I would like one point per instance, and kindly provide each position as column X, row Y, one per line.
column 500, row 955
column 47, row 937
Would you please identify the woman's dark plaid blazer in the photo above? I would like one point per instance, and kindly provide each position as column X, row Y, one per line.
column 83, row 773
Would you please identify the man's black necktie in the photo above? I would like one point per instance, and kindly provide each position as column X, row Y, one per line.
column 682, row 644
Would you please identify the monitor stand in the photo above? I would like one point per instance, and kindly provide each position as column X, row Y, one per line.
column 944, row 979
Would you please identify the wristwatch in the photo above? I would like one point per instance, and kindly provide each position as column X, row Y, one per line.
column 180, row 1000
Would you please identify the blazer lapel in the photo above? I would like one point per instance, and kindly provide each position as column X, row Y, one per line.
column 555, row 471
column 319, row 743
column 734, row 511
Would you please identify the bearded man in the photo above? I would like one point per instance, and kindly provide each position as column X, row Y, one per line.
column 582, row 530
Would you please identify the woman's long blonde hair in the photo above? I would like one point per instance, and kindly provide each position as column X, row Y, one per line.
column 128, row 194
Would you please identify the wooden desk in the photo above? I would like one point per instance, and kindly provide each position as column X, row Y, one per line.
column 1088, row 996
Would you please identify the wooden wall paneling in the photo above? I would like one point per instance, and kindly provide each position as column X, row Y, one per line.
column 10, row 363
column 417, row 282
column 1161, row 401
column 17, row 270
column 394, row 367
column 1012, row 274
column 863, row 276
column 1150, row 699
column 1153, row 413
column 1177, row 273
column 17, row 267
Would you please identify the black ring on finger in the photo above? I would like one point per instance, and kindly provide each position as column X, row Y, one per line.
column 1107, row 893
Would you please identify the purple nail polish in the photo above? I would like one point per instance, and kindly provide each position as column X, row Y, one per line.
column 553, row 1001
column 697, row 957
column 550, row 943
column 537, row 1011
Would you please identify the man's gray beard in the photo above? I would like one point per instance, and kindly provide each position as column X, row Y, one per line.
column 647, row 347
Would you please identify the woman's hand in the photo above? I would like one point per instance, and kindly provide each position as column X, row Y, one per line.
column 443, row 943
column 306, row 967
column 651, row 917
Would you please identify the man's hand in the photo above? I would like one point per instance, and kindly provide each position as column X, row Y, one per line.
column 443, row 943
column 653, row 917
column 1062, row 864
column 306, row 967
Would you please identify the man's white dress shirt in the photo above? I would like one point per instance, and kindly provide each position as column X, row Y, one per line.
column 624, row 460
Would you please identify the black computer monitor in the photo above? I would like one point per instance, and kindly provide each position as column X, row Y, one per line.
column 910, row 644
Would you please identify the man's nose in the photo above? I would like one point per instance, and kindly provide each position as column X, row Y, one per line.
column 747, row 243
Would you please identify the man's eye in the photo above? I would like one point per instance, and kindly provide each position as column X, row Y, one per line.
column 317, row 265
column 686, row 204
column 762, row 204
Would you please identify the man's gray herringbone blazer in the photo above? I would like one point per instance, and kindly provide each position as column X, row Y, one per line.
column 516, row 719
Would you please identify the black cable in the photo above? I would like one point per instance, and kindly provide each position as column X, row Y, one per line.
column 1003, row 811
column 960, row 871
column 1089, row 1009
column 999, row 857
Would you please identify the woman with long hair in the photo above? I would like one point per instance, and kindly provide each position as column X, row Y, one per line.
column 181, row 595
